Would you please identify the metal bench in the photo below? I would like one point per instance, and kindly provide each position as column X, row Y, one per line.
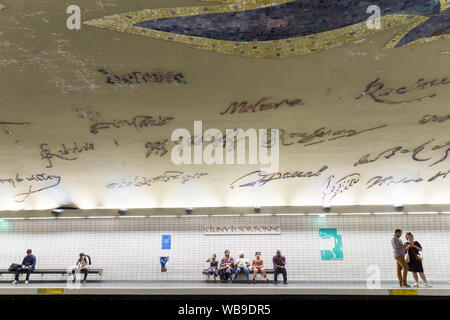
column 53, row 271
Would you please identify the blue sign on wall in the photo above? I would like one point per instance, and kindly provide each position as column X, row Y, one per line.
column 166, row 242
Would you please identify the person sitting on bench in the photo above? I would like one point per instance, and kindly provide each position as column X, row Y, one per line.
column 258, row 266
column 226, row 267
column 242, row 264
column 83, row 264
column 28, row 265
column 279, row 266
column 213, row 267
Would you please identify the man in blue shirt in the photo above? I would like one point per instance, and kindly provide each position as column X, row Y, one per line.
column 28, row 264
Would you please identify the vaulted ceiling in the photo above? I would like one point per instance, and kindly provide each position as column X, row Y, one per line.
column 87, row 116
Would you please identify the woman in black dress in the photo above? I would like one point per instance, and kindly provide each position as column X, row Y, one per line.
column 415, row 260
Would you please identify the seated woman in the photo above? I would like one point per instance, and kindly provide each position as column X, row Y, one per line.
column 226, row 267
column 242, row 264
column 258, row 266
column 213, row 269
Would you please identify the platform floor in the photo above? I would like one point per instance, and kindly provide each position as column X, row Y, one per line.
column 203, row 288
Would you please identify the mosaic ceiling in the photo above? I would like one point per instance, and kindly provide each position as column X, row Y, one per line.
column 280, row 28
column 88, row 116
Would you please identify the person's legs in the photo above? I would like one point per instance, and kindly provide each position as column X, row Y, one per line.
column 263, row 272
column 29, row 270
column 422, row 276
column 18, row 271
column 402, row 267
column 275, row 275
column 255, row 272
column 416, row 278
column 284, row 273
column 238, row 270
column 85, row 271
column 230, row 274
column 247, row 274
column 399, row 271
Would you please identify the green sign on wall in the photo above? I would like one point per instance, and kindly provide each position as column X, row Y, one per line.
column 330, row 244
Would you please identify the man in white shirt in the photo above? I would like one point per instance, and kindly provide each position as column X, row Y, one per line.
column 399, row 255
column 83, row 264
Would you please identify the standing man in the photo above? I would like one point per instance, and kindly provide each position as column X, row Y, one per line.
column 399, row 255
column 28, row 265
column 279, row 266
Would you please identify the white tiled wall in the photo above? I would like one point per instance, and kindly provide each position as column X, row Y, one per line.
column 129, row 248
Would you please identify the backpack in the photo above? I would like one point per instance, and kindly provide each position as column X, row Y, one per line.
column 89, row 261
column 13, row 267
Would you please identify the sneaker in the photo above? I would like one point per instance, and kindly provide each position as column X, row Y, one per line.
column 416, row 285
column 248, row 281
column 14, row 282
column 254, row 280
column 285, row 282
column 426, row 285
column 266, row 280
column 405, row 285
column 26, row 281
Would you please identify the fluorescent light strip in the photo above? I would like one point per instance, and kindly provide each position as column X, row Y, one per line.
column 70, row 217
column 194, row 215
column 225, row 215
column 354, row 213
column 102, row 217
column 429, row 212
column 131, row 216
column 289, row 214
column 381, row 213
column 165, row 216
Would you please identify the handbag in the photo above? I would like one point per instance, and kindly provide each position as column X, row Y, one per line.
column 418, row 258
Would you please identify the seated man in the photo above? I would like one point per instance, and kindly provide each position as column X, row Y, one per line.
column 279, row 266
column 28, row 265
column 242, row 264
column 83, row 264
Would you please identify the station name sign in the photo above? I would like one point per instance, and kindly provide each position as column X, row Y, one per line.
column 242, row 229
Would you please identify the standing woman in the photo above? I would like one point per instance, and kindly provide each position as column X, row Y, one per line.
column 415, row 260
column 226, row 268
